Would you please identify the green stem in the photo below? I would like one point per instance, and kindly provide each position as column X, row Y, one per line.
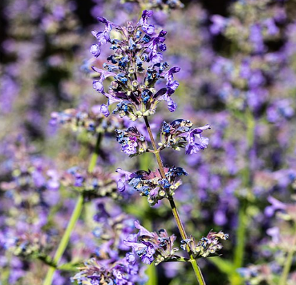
column 240, row 236
column 65, row 239
column 94, row 157
column 47, row 260
column 288, row 262
column 180, row 226
column 74, row 218
column 242, row 215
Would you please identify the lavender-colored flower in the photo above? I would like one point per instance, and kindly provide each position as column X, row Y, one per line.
column 280, row 110
column 256, row 38
column 152, row 185
column 207, row 246
column 103, row 37
column 95, row 272
column 132, row 141
column 150, row 246
column 272, row 29
column 164, row 5
column 95, row 50
column 275, row 205
column 178, row 134
column 195, row 141
column 123, row 178
column 218, row 24
column 135, row 67
column 98, row 183
column 93, row 121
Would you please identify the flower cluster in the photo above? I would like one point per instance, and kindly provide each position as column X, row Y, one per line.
column 151, row 184
column 250, row 35
column 151, row 246
column 111, row 229
column 207, row 246
column 276, row 249
column 122, row 272
column 95, row 184
column 133, row 87
column 132, row 141
column 29, row 244
column 165, row 5
column 112, row 264
column 178, row 134
column 93, row 122
column 280, row 110
column 29, row 187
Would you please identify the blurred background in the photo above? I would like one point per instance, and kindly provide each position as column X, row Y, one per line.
column 238, row 63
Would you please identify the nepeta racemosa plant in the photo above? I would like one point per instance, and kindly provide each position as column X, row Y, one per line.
column 137, row 70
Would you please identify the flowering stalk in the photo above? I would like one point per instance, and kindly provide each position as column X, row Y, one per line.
column 65, row 239
column 74, row 218
column 242, row 216
column 181, row 228
column 135, row 68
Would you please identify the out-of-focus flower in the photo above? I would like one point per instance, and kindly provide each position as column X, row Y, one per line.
column 164, row 5
column 96, row 184
column 122, row 272
column 218, row 24
column 93, row 121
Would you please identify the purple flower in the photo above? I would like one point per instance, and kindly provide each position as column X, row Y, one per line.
column 272, row 29
column 150, row 246
column 207, row 246
column 132, row 141
column 256, row 38
column 218, row 24
column 133, row 86
column 149, row 29
column 95, row 50
column 172, row 84
column 122, row 179
column 101, row 109
column 195, row 141
column 103, row 37
column 178, row 135
column 121, row 272
column 98, row 84
column 152, row 185
column 275, row 205
column 142, row 230
column 172, row 106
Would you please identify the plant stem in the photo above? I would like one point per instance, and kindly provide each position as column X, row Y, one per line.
column 180, row 226
column 288, row 262
column 242, row 215
column 65, row 239
column 74, row 218
column 94, row 157
column 240, row 236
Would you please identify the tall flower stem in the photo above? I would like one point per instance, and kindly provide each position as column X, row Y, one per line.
column 74, row 218
column 180, row 226
column 242, row 215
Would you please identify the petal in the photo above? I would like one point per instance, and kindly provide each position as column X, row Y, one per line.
column 142, row 230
